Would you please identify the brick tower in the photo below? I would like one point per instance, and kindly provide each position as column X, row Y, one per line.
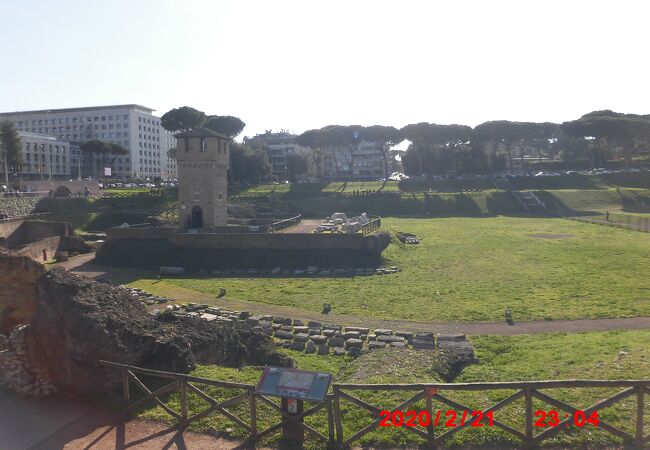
column 202, row 161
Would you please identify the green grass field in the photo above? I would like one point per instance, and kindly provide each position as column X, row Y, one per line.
column 472, row 269
column 620, row 355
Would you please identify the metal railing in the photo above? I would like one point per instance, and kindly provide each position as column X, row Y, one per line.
column 371, row 226
column 626, row 221
column 286, row 223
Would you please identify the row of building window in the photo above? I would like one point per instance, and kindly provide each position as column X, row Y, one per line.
column 73, row 120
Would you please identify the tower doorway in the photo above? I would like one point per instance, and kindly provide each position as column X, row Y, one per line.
column 197, row 217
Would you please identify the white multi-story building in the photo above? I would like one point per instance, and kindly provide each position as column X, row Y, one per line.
column 132, row 126
column 45, row 157
column 363, row 162
column 278, row 146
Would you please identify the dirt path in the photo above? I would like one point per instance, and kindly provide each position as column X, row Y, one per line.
column 83, row 265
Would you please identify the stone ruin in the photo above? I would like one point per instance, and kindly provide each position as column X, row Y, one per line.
column 341, row 223
column 73, row 322
column 314, row 337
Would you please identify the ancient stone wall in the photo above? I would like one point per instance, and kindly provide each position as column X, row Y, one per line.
column 42, row 250
column 18, row 292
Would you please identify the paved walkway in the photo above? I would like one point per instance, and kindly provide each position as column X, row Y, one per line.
column 83, row 265
column 52, row 424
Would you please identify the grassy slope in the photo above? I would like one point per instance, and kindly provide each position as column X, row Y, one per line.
column 550, row 356
column 473, row 269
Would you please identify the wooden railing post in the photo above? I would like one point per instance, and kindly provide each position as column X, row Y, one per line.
column 253, row 413
column 528, row 396
column 337, row 417
column 183, row 393
column 431, row 438
column 125, row 385
column 638, row 435
column 330, row 420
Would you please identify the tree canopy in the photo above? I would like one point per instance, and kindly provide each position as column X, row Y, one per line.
column 230, row 126
column 184, row 118
column 10, row 145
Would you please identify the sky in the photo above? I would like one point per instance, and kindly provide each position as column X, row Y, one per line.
column 297, row 65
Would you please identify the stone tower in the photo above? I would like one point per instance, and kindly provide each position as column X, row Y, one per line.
column 202, row 161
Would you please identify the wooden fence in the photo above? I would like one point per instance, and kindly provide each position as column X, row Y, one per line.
column 338, row 434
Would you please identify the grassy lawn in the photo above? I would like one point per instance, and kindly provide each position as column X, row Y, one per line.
column 619, row 355
column 471, row 269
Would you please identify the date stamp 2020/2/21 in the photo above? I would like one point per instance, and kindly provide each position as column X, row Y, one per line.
column 477, row 419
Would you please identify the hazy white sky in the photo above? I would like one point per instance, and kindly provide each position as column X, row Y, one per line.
column 305, row 64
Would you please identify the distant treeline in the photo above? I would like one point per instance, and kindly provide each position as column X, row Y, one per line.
column 495, row 146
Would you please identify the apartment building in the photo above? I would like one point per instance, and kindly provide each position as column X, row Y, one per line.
column 132, row 126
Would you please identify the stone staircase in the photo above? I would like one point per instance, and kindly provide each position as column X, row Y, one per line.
column 530, row 202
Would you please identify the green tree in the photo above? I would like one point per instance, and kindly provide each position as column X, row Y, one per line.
column 297, row 164
column 248, row 164
column 229, row 126
column 184, row 118
column 98, row 150
column 312, row 139
column 11, row 148
column 386, row 137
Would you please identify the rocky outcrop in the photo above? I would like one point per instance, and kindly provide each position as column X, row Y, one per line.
column 77, row 322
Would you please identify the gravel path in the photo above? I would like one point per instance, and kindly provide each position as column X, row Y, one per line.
column 83, row 265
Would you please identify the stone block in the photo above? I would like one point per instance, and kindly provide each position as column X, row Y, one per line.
column 451, row 337
column 354, row 351
column 419, row 344
column 319, row 338
column 351, row 334
column 404, row 334
column 361, row 330
column 310, row 347
column 376, row 344
column 332, row 327
column 286, row 327
column 386, row 338
column 286, row 344
column 266, row 324
column 253, row 321
column 297, row 323
column 398, row 344
column 336, row 342
column 313, row 332
column 372, row 337
column 278, row 319
column 276, row 326
column 424, row 336
column 301, row 329
column 383, row 332
column 323, row 349
column 287, row 321
column 352, row 342
column 283, row 334
column 339, row 351
column 302, row 337
column 313, row 324
column 298, row 345
column 244, row 315
column 328, row 333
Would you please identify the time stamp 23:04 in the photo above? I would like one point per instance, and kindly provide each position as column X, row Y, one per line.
column 451, row 418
